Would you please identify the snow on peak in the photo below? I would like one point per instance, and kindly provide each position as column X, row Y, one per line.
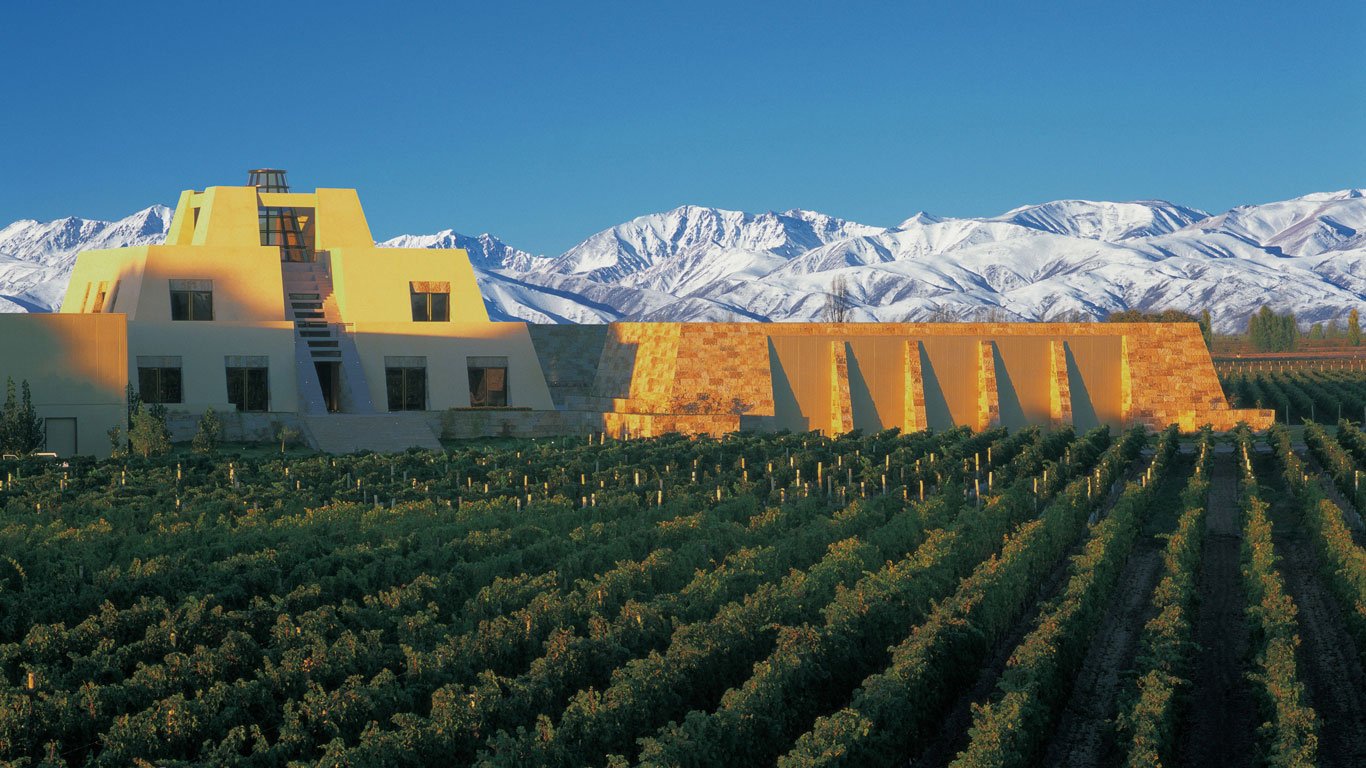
column 1061, row 258
column 485, row 250
column 691, row 231
column 1103, row 220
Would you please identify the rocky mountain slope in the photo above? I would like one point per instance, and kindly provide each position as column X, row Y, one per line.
column 1061, row 259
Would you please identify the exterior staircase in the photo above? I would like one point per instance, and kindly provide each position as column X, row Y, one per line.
column 320, row 336
column 342, row 433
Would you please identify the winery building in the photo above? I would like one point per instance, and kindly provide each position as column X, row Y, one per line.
column 276, row 309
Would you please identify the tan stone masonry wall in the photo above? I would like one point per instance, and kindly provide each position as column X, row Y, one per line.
column 675, row 375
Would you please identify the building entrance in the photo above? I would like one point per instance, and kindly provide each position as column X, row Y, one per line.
column 329, row 379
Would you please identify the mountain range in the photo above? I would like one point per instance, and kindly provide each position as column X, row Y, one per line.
column 1069, row 259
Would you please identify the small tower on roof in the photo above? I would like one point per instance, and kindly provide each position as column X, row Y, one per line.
column 267, row 180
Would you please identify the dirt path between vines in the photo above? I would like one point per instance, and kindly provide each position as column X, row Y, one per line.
column 1327, row 657
column 1084, row 735
column 1085, row 731
column 1220, row 723
column 952, row 734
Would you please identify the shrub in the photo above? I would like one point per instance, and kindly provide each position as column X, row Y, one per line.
column 206, row 438
column 147, row 433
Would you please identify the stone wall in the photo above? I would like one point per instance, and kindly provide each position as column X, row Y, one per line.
column 652, row 378
column 570, row 356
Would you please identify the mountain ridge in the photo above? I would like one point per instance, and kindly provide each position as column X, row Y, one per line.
column 1062, row 258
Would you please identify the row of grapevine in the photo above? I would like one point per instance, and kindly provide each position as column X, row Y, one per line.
column 317, row 613
column 1147, row 722
column 704, row 659
column 813, row 665
column 1008, row 730
column 1299, row 394
column 1289, row 736
column 895, row 707
column 1342, row 560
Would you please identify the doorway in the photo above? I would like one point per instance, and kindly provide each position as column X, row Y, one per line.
column 329, row 380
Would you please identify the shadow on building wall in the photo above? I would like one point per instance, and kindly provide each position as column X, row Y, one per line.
column 1084, row 416
column 787, row 413
column 937, row 413
column 1008, row 397
column 861, row 400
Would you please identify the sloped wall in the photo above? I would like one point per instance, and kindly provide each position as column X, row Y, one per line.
column 836, row 377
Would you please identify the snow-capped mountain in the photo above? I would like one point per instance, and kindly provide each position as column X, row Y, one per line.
column 1066, row 258
column 36, row 257
column 486, row 251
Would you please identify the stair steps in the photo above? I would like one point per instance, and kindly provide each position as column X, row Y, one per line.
column 342, row 433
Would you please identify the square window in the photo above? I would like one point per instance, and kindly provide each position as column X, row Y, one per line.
column 160, row 385
column 191, row 304
column 249, row 389
column 406, row 388
column 431, row 302
column 488, row 386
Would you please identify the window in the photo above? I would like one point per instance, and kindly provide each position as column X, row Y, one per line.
column 159, row 380
column 191, row 299
column 249, row 383
column 405, row 383
column 290, row 229
column 488, row 382
column 431, row 302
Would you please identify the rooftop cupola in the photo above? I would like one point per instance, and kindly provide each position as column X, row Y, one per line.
column 267, row 180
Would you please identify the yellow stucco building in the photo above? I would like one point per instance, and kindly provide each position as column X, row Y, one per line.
column 276, row 309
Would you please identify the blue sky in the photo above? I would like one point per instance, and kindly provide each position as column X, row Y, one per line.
column 543, row 123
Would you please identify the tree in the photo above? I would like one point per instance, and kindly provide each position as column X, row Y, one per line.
column 1316, row 331
column 1139, row 316
column 9, row 419
column 147, row 434
column 1354, row 328
column 1270, row 332
column 206, row 438
column 1207, row 328
column 21, row 428
column 287, row 436
column 838, row 304
column 32, row 436
column 1332, row 330
column 115, row 441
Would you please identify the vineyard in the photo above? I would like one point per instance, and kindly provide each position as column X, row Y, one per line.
column 1298, row 392
column 927, row 599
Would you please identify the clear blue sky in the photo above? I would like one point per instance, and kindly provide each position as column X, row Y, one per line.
column 544, row 122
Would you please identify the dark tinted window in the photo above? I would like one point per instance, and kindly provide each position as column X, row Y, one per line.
column 191, row 305
column 160, row 385
column 406, row 388
column 431, row 307
column 249, row 389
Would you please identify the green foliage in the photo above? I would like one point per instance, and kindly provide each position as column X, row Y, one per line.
column 21, row 428
column 1139, row 316
column 1009, row 729
column 147, row 434
column 893, row 709
column 1289, row 734
column 287, row 436
column 1270, row 332
column 1147, row 719
column 1299, row 394
column 206, row 438
column 1354, row 328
